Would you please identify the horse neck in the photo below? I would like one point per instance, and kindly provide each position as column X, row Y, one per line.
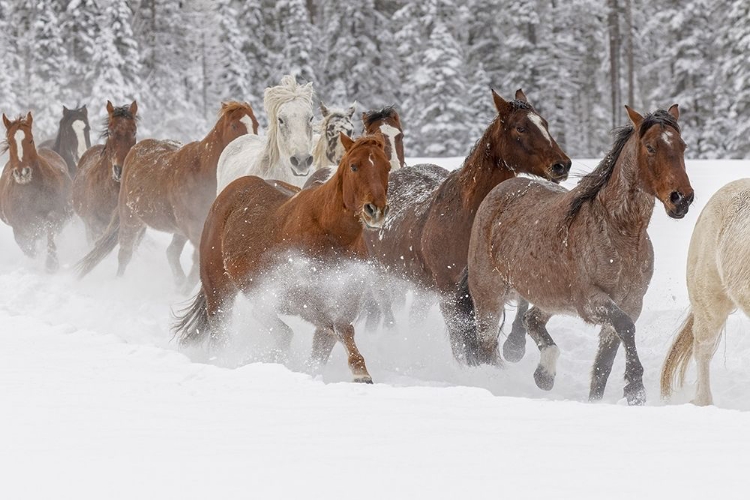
column 58, row 139
column 209, row 150
column 482, row 170
column 626, row 206
column 327, row 207
column 270, row 155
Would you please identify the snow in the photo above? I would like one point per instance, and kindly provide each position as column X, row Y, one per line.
column 98, row 402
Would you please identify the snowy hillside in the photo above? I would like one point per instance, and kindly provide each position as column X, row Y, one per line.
column 98, row 402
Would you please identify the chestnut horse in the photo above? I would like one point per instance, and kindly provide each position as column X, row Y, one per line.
column 170, row 188
column 73, row 137
column 253, row 225
column 717, row 268
column 96, row 186
column 583, row 252
column 426, row 237
column 34, row 190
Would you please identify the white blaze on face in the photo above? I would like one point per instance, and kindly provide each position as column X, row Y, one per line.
column 248, row 123
column 372, row 163
column 391, row 133
column 79, row 126
column 19, row 136
column 537, row 120
column 666, row 136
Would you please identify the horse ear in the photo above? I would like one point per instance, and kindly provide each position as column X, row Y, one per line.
column 351, row 110
column 635, row 117
column 6, row 122
column 110, row 107
column 501, row 105
column 29, row 118
column 674, row 110
column 85, row 111
column 323, row 109
column 520, row 96
column 364, row 118
column 65, row 110
column 346, row 141
column 133, row 108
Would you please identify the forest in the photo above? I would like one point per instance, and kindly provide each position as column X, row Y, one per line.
column 578, row 61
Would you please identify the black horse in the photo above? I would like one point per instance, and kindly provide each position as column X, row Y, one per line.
column 72, row 137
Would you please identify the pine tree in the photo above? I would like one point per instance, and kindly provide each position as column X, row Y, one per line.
column 234, row 76
column 7, row 62
column 297, row 40
column 81, row 31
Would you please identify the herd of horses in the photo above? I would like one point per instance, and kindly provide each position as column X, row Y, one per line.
column 478, row 237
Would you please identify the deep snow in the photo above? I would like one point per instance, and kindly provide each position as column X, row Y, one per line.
column 97, row 401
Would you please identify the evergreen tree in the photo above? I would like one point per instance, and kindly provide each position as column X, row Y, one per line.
column 81, row 31
column 297, row 40
column 234, row 74
column 8, row 56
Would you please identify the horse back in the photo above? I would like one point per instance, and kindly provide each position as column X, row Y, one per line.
column 238, row 158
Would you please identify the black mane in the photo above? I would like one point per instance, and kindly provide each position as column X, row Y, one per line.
column 595, row 181
column 375, row 115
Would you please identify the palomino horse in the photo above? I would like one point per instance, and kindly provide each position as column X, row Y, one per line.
column 328, row 149
column 284, row 153
column 169, row 188
column 96, row 186
column 426, row 237
column 583, row 252
column 253, row 225
column 72, row 138
column 717, row 284
column 34, row 190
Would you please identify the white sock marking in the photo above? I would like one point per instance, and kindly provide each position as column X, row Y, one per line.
column 19, row 136
column 537, row 120
column 548, row 359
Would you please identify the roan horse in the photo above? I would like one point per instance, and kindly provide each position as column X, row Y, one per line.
column 34, row 190
column 169, row 188
column 717, row 271
column 253, row 225
column 426, row 237
column 584, row 252
column 73, row 138
column 284, row 153
column 96, row 186
column 328, row 149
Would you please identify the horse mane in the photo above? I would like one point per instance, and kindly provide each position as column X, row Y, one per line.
column 5, row 145
column 592, row 183
column 273, row 98
column 229, row 106
column 319, row 150
column 376, row 115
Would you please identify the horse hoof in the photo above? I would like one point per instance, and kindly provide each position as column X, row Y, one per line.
column 513, row 353
column 636, row 397
column 544, row 379
column 364, row 379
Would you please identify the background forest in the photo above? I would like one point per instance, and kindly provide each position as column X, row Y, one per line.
column 578, row 61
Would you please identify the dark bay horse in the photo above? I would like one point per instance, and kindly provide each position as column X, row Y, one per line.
column 583, row 252
column 73, row 137
column 426, row 237
column 34, row 190
column 252, row 226
column 170, row 188
column 96, row 186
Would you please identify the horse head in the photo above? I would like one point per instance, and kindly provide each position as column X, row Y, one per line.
column 120, row 135
column 522, row 140
column 20, row 144
column 290, row 115
column 336, row 122
column 660, row 155
column 364, row 172
column 75, row 129
column 386, row 122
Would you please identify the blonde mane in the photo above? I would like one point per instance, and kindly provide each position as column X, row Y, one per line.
column 273, row 98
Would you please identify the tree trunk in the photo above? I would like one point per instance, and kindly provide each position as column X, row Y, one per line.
column 614, row 60
column 629, row 56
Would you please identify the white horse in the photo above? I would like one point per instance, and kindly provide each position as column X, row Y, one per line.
column 284, row 153
column 328, row 149
column 718, row 281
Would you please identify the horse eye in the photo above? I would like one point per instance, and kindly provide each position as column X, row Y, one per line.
column 650, row 149
column 520, row 130
column 281, row 122
column 311, row 119
column 354, row 167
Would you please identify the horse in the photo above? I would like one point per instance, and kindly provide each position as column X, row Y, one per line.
column 717, row 284
column 426, row 237
column 170, row 188
column 253, row 225
column 284, row 153
column 34, row 190
column 96, row 186
column 72, row 138
column 328, row 149
column 584, row 252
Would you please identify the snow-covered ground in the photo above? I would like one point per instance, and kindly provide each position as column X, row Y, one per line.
column 96, row 401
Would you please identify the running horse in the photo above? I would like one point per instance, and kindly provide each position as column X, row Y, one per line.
column 251, row 228
column 583, row 252
column 73, row 137
column 170, row 188
column 34, row 190
column 328, row 149
column 96, row 186
column 426, row 237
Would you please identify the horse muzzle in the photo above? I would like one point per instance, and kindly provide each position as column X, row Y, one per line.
column 680, row 204
column 22, row 176
column 374, row 217
column 301, row 164
column 559, row 170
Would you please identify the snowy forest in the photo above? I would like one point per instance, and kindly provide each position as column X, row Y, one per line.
column 578, row 61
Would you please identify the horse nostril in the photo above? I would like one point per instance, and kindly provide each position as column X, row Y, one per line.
column 690, row 198
column 560, row 168
column 293, row 161
column 370, row 209
column 385, row 210
column 26, row 171
column 675, row 197
column 309, row 160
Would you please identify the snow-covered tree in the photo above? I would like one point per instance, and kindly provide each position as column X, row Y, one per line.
column 297, row 40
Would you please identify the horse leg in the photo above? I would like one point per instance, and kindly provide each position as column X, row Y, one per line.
column 514, row 346
column 323, row 342
column 52, row 264
column 130, row 235
column 609, row 343
column 174, row 250
column 420, row 307
column 282, row 333
column 25, row 242
column 535, row 320
column 345, row 334
column 488, row 312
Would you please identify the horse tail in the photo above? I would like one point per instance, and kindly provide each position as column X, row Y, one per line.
column 191, row 324
column 465, row 321
column 103, row 246
column 678, row 357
